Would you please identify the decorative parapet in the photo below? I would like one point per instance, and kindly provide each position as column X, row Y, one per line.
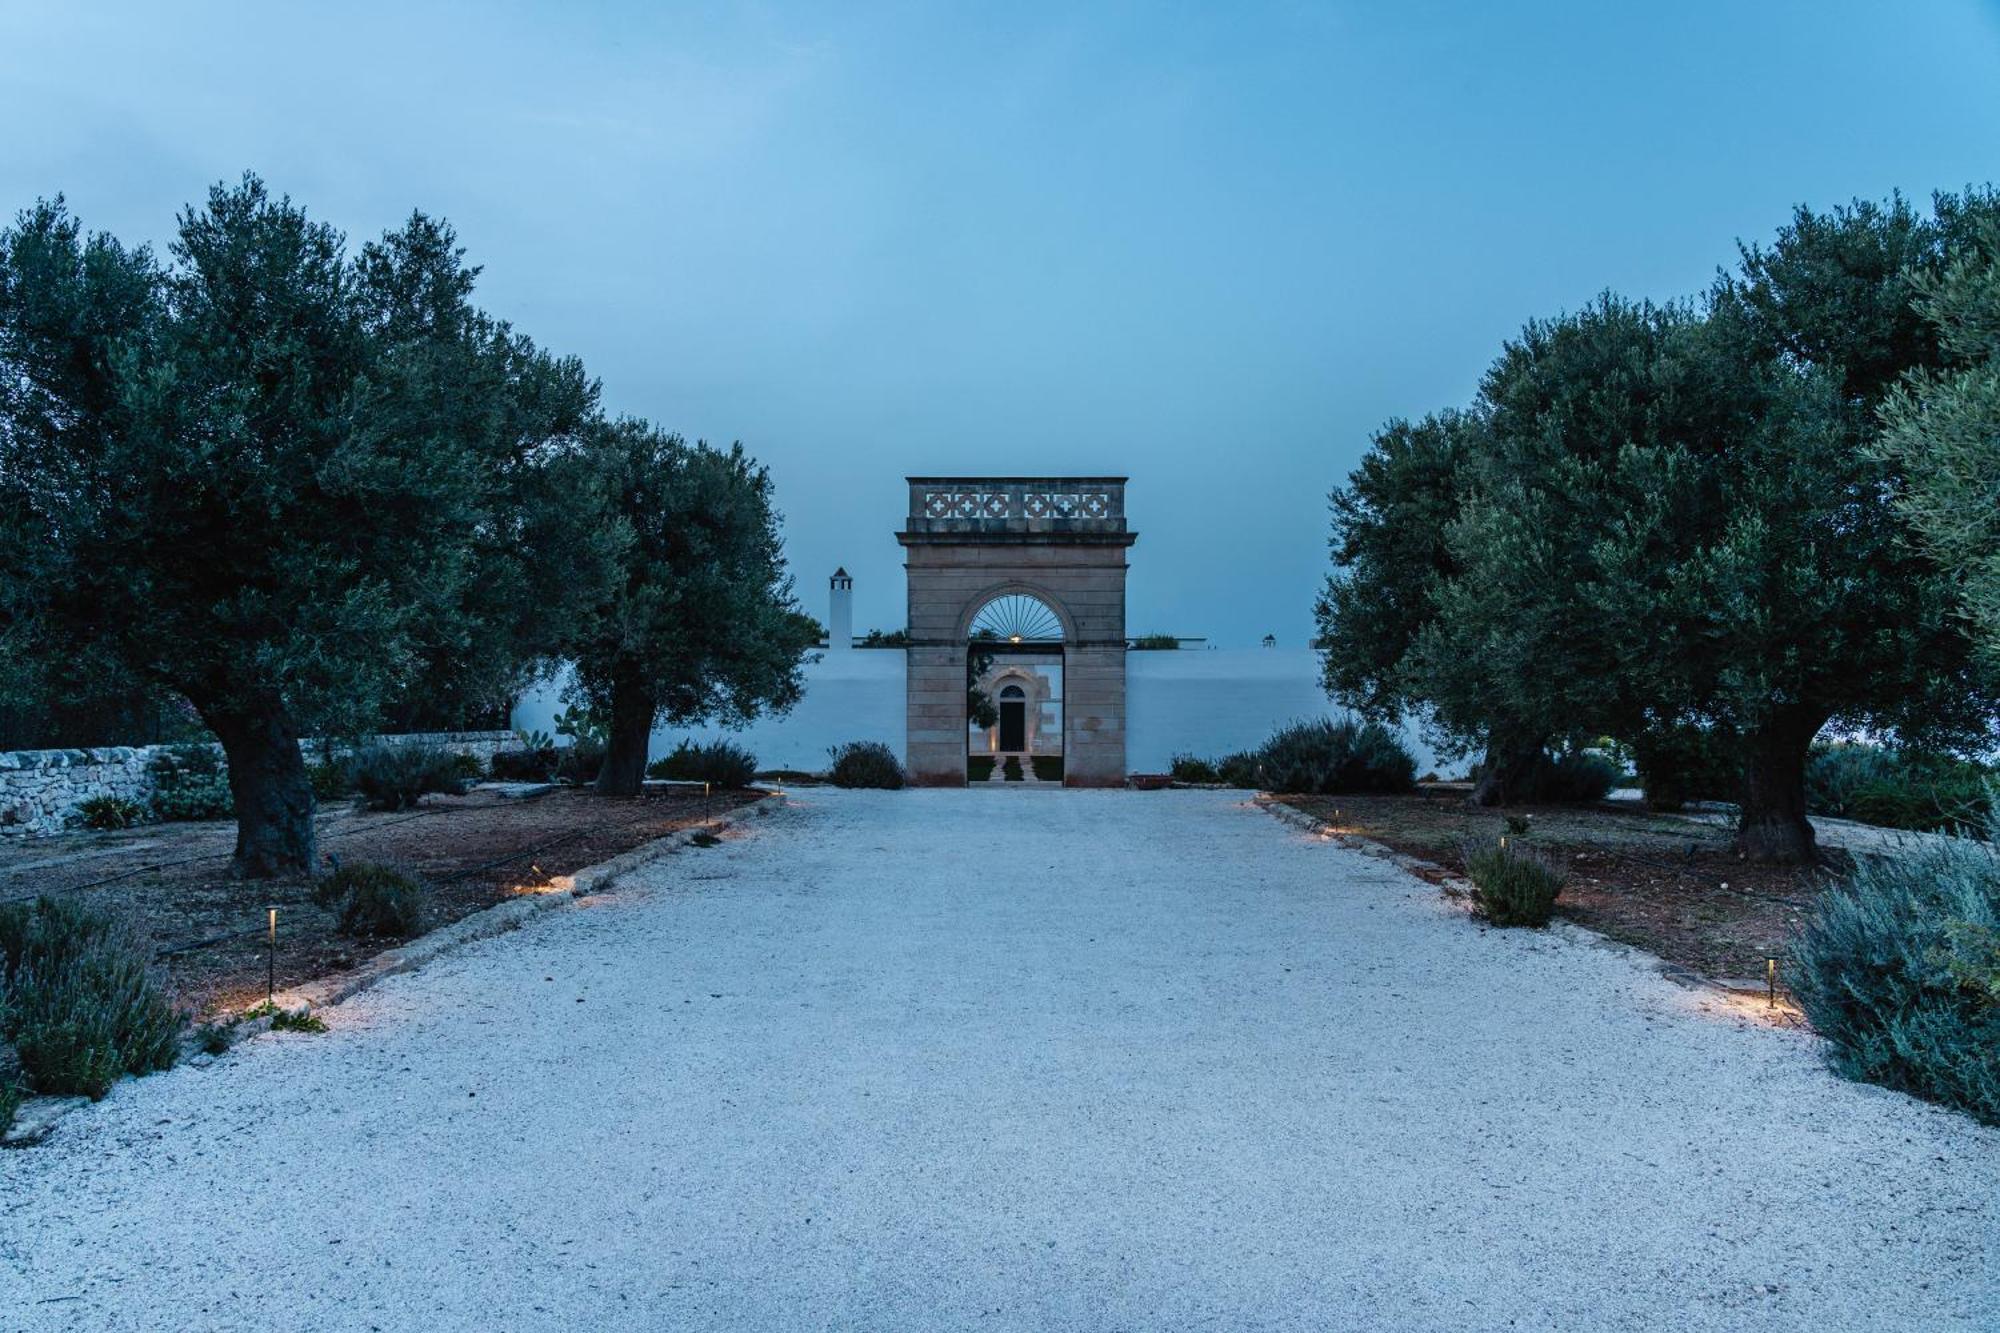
column 990, row 508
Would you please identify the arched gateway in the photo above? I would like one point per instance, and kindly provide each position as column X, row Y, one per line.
column 1047, row 554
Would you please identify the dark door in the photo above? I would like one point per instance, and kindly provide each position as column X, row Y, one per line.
column 1013, row 726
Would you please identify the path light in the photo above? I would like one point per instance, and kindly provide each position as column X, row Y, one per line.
column 1771, row 983
column 271, row 960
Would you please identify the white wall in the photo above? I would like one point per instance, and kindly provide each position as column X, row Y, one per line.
column 1199, row 701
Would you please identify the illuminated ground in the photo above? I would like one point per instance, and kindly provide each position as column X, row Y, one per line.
column 1012, row 1059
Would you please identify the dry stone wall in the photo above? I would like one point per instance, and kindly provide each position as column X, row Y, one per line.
column 41, row 790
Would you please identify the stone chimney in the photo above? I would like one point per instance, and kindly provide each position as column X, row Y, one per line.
column 840, row 613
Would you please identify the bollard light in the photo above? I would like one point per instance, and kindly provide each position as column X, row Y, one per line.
column 1771, row 983
column 271, row 958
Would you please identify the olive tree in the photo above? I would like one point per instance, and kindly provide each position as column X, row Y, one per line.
column 279, row 483
column 699, row 623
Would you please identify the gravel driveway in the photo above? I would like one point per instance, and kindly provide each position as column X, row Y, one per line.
column 1008, row 1059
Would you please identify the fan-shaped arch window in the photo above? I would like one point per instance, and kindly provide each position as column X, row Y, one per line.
column 1017, row 617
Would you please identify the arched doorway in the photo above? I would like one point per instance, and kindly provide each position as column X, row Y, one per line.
column 1013, row 720
column 1013, row 686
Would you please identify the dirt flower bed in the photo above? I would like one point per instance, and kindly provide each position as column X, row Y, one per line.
column 207, row 928
column 1666, row 884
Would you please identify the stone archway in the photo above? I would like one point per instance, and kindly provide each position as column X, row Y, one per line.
column 1061, row 541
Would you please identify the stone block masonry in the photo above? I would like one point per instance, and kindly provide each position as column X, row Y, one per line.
column 42, row 791
column 1061, row 541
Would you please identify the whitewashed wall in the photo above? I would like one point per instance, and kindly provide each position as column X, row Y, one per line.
column 1200, row 701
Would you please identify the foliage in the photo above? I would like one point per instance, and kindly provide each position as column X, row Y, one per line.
column 1336, row 755
column 215, row 1038
column 1944, row 430
column 701, row 624
column 1156, row 643
column 581, row 762
column 529, row 765
column 1577, row 777
column 372, row 899
column 718, row 762
column 297, row 1020
column 1897, row 788
column 875, row 638
column 79, row 999
column 1010, row 769
column 1899, row 969
column 110, row 812
column 331, row 779
column 582, row 724
column 1192, row 768
column 1513, row 885
column 397, row 776
column 1658, row 521
column 1243, row 769
column 979, row 768
column 294, row 486
column 190, row 782
column 1048, row 767
column 1681, row 764
column 865, row 764
column 12, row 1092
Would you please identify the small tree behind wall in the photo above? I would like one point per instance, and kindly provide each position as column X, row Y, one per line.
column 702, row 626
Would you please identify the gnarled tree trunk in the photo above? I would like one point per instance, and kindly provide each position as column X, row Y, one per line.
column 1774, row 828
column 627, row 737
column 267, row 778
column 1507, row 775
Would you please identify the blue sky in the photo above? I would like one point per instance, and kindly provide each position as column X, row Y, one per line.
column 1209, row 246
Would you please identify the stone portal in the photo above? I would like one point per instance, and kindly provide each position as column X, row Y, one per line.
column 1060, row 541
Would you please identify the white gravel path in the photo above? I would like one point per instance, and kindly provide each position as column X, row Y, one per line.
column 1011, row 1059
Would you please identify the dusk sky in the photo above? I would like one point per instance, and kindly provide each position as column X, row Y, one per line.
column 1209, row 247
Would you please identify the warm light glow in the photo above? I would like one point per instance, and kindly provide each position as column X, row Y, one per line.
column 1013, row 638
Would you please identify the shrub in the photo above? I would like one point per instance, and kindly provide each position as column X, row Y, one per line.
column 718, row 762
column 1336, row 755
column 1512, row 885
column 1243, row 769
column 1010, row 770
column 1577, row 777
column 396, row 777
column 1156, row 643
column 525, row 765
column 330, row 780
column 469, row 767
column 1048, row 767
column 1681, row 764
column 82, row 1003
column 1899, row 969
column 190, row 782
column 580, row 762
column 1189, row 768
column 12, row 1091
column 979, row 768
column 865, row 764
column 110, row 812
column 1897, row 788
column 372, row 900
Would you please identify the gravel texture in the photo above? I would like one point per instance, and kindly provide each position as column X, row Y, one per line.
column 1012, row 1059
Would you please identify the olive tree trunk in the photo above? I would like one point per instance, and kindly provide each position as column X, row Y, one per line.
column 1507, row 777
column 627, row 737
column 1773, row 827
column 267, row 779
